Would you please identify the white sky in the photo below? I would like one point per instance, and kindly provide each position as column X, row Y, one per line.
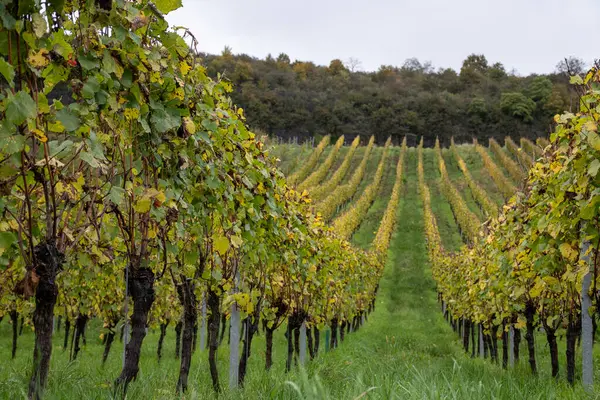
column 528, row 35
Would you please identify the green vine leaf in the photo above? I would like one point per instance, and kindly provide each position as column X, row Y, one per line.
column 593, row 168
column 68, row 119
column 7, row 71
column 39, row 25
column 20, row 108
column 7, row 239
column 166, row 6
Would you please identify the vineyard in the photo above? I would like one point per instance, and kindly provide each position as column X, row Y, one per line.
column 151, row 246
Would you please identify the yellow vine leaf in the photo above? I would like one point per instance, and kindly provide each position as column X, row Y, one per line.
column 184, row 68
column 221, row 244
column 142, row 205
column 131, row 114
column 567, row 251
column 38, row 59
column 236, row 241
column 189, row 125
column 40, row 135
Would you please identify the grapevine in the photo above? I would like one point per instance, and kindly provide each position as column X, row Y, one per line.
column 345, row 192
column 320, row 192
column 146, row 189
column 488, row 206
column 542, row 142
column 532, row 149
column 466, row 220
column 386, row 227
column 514, row 170
column 317, row 176
column 502, row 183
column 528, row 268
column 346, row 224
column 298, row 176
column 523, row 158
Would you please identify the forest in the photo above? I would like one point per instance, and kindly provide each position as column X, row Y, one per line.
column 297, row 100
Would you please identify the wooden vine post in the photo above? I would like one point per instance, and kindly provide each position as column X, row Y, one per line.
column 587, row 329
column 302, row 350
column 234, row 338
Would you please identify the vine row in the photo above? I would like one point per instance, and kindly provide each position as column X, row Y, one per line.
column 386, row 228
column 522, row 157
column 320, row 173
column 349, row 221
column 345, row 192
column 487, row 205
column 309, row 165
column 502, row 182
column 326, row 188
column 514, row 170
column 466, row 220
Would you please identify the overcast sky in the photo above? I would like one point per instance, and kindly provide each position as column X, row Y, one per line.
column 528, row 35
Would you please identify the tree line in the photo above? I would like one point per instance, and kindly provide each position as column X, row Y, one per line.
column 298, row 100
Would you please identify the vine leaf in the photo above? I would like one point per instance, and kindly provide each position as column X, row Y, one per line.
column 221, row 244
column 20, row 107
column 89, row 158
column 593, row 139
column 117, row 194
column 593, row 168
column 39, row 25
column 164, row 121
column 166, row 6
column 7, row 71
column 88, row 62
column 7, row 239
column 142, row 205
column 68, row 120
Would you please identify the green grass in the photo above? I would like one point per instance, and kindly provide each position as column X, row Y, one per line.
column 405, row 350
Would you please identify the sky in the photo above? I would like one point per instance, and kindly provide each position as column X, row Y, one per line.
column 530, row 36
